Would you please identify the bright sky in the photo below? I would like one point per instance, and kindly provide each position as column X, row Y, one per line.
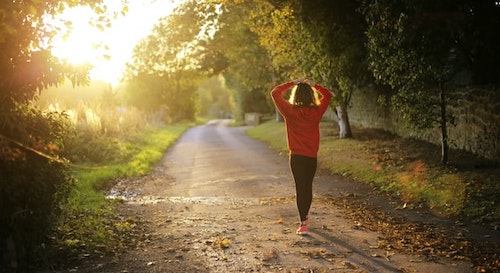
column 120, row 38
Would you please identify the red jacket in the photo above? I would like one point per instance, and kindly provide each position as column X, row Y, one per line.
column 302, row 124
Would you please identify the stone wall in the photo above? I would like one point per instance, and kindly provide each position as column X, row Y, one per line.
column 477, row 116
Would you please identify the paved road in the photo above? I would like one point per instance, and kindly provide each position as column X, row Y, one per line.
column 218, row 184
column 214, row 160
column 223, row 202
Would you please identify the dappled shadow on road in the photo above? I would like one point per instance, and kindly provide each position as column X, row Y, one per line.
column 416, row 231
column 356, row 257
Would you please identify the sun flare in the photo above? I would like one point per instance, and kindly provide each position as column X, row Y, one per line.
column 107, row 50
column 80, row 45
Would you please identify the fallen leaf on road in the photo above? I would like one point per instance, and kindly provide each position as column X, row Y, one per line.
column 221, row 243
column 269, row 255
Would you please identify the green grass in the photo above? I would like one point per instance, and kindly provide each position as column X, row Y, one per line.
column 87, row 222
column 407, row 169
column 272, row 133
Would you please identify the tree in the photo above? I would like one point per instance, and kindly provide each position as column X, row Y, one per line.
column 422, row 50
column 33, row 178
column 340, row 28
column 319, row 39
column 214, row 98
column 235, row 53
column 166, row 63
column 283, row 37
column 26, row 64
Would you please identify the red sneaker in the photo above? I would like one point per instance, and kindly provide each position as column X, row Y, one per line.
column 303, row 227
column 302, row 230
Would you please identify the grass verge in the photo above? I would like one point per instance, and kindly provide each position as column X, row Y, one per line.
column 408, row 169
column 88, row 226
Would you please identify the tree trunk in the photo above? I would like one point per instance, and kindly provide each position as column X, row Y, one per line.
column 444, row 132
column 344, row 125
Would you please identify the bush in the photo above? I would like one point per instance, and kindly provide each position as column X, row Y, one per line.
column 95, row 148
column 32, row 192
column 34, row 182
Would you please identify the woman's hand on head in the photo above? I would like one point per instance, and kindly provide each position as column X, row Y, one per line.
column 310, row 82
column 297, row 81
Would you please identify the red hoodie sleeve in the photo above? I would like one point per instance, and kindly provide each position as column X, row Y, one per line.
column 326, row 97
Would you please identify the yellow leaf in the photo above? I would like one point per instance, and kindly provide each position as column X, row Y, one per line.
column 225, row 243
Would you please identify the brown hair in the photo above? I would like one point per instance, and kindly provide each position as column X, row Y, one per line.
column 303, row 95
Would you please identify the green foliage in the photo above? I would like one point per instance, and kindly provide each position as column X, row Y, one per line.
column 88, row 147
column 26, row 59
column 342, row 39
column 321, row 40
column 214, row 98
column 172, row 94
column 34, row 181
column 417, row 49
column 422, row 48
column 67, row 96
column 163, row 74
column 247, row 71
column 410, row 56
column 99, row 122
column 32, row 193
column 281, row 34
column 145, row 93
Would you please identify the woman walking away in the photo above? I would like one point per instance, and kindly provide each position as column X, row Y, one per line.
column 302, row 114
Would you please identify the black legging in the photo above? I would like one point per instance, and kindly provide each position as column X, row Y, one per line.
column 303, row 171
